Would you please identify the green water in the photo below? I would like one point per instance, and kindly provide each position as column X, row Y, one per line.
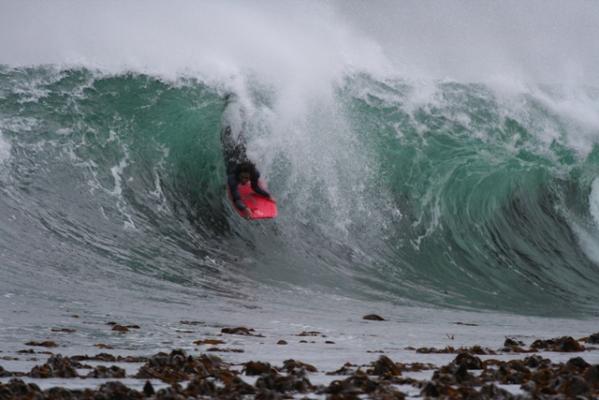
column 459, row 199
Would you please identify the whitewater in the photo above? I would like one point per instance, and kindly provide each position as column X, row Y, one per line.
column 433, row 163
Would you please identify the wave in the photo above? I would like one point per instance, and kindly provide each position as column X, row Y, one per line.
column 444, row 193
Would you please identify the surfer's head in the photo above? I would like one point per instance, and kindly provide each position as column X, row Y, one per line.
column 245, row 170
column 244, row 177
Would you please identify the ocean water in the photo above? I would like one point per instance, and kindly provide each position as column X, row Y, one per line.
column 424, row 176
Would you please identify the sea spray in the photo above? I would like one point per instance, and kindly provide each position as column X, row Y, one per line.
column 4, row 149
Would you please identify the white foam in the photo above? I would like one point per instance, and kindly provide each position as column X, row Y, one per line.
column 587, row 232
column 4, row 149
column 588, row 241
column 299, row 51
column 297, row 48
column 594, row 201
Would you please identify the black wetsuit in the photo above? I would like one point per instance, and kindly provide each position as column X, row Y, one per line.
column 233, row 181
column 234, row 155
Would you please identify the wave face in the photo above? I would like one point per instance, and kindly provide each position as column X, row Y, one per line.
column 456, row 169
column 460, row 198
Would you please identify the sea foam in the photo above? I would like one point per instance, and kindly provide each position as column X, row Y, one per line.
column 4, row 149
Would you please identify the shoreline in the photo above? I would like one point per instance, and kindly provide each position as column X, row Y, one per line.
column 225, row 362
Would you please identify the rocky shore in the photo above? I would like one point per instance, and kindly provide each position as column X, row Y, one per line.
column 474, row 372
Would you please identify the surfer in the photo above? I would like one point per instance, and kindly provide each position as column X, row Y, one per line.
column 240, row 170
column 242, row 174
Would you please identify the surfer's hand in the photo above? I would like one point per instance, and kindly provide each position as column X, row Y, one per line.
column 239, row 204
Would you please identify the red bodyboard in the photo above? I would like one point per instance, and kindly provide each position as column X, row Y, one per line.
column 261, row 207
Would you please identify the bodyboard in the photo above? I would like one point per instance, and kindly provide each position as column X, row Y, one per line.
column 261, row 207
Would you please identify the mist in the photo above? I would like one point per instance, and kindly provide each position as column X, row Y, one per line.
column 533, row 41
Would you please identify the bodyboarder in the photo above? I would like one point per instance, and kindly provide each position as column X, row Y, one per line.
column 240, row 170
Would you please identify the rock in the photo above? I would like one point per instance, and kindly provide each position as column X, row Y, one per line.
column 478, row 350
column 148, row 389
column 103, row 346
column 56, row 367
column 17, row 389
column 509, row 342
column 309, row 333
column 120, row 328
column 234, row 385
column 462, row 375
column 591, row 375
column 529, row 386
column 430, row 390
column 213, row 342
column 575, row 386
column 237, row 331
column 562, row 344
column 452, row 374
column 536, row 361
column 570, row 345
column 385, row 366
column 281, row 342
column 293, row 366
column 98, row 357
column 490, row 391
column 107, row 372
column 578, row 363
column 465, row 323
column 542, row 376
column 283, row 384
column 4, row 373
column 518, row 372
column 341, row 390
column 450, row 349
column 65, row 330
column 46, row 343
column 594, row 338
column 346, row 369
column 58, row 393
column 469, row 361
column 241, row 330
column 360, row 384
column 132, row 359
column 427, row 350
column 373, row 317
column 170, row 393
column 201, row 387
column 177, row 366
column 117, row 390
column 192, row 322
column 256, row 368
column 511, row 372
column 224, row 350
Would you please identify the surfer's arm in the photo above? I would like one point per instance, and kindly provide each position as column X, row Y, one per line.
column 256, row 187
column 232, row 182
